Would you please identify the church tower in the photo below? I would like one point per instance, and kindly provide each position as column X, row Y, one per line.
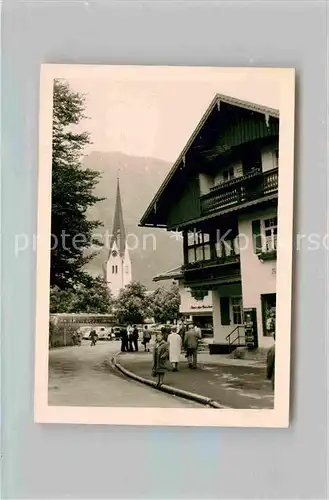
column 118, row 265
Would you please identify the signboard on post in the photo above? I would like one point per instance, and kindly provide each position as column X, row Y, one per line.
column 250, row 326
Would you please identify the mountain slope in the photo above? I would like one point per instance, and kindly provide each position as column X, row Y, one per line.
column 152, row 251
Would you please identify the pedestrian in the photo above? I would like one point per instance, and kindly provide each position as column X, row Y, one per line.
column 198, row 330
column 124, row 339
column 93, row 337
column 135, row 337
column 182, row 330
column 165, row 332
column 130, row 337
column 175, row 346
column 74, row 338
column 192, row 338
column 160, row 358
column 270, row 369
column 78, row 338
column 146, row 338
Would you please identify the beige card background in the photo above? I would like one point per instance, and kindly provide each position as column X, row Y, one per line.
column 266, row 86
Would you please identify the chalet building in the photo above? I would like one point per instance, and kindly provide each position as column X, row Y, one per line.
column 193, row 307
column 222, row 194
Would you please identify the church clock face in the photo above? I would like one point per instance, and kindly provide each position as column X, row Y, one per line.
column 114, row 253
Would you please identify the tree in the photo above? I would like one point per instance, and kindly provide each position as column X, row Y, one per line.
column 132, row 304
column 165, row 304
column 60, row 300
column 72, row 192
column 93, row 297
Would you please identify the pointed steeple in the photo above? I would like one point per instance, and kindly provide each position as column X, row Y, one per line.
column 118, row 230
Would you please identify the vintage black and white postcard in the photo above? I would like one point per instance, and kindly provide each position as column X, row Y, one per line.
column 164, row 245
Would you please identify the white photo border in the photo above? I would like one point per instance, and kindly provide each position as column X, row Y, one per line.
column 278, row 417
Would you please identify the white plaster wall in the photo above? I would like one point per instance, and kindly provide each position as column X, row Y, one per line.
column 127, row 271
column 257, row 277
column 221, row 331
column 206, row 183
column 238, row 172
column 114, row 281
column 268, row 159
column 190, row 305
column 238, row 169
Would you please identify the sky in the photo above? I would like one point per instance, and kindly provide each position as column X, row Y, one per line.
column 154, row 117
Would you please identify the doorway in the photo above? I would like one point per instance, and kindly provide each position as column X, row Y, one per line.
column 268, row 301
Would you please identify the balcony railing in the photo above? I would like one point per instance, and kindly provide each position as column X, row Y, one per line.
column 203, row 264
column 218, row 270
column 253, row 186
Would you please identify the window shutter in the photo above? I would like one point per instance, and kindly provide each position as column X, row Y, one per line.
column 225, row 310
column 256, row 236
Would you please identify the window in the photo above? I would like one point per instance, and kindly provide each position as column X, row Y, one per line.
column 265, row 235
column 231, row 310
column 236, row 310
column 252, row 161
column 268, row 302
column 114, row 269
column 198, row 247
column 228, row 174
column 191, row 255
column 270, row 230
column 227, row 248
column 236, row 245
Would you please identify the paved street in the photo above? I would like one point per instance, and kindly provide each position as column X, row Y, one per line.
column 81, row 376
column 234, row 383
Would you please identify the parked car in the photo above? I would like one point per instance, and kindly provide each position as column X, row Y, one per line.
column 111, row 335
column 102, row 333
column 116, row 330
column 85, row 332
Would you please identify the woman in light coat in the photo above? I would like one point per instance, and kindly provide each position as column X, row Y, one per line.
column 175, row 346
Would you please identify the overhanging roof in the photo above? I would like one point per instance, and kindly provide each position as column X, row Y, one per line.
column 215, row 102
column 173, row 274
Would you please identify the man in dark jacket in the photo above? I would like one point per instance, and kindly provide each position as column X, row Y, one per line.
column 146, row 338
column 181, row 331
column 124, row 339
column 192, row 337
column 135, row 337
column 93, row 337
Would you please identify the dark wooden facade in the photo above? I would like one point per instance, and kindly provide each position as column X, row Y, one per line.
column 231, row 131
column 243, row 128
column 187, row 206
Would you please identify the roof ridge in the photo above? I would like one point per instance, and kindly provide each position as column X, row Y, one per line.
column 215, row 101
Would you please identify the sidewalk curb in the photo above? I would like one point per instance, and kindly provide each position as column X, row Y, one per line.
column 198, row 398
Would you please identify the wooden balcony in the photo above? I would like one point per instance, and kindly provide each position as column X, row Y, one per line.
column 251, row 187
column 212, row 272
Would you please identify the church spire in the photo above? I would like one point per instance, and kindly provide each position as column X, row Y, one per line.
column 118, row 229
column 118, row 266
